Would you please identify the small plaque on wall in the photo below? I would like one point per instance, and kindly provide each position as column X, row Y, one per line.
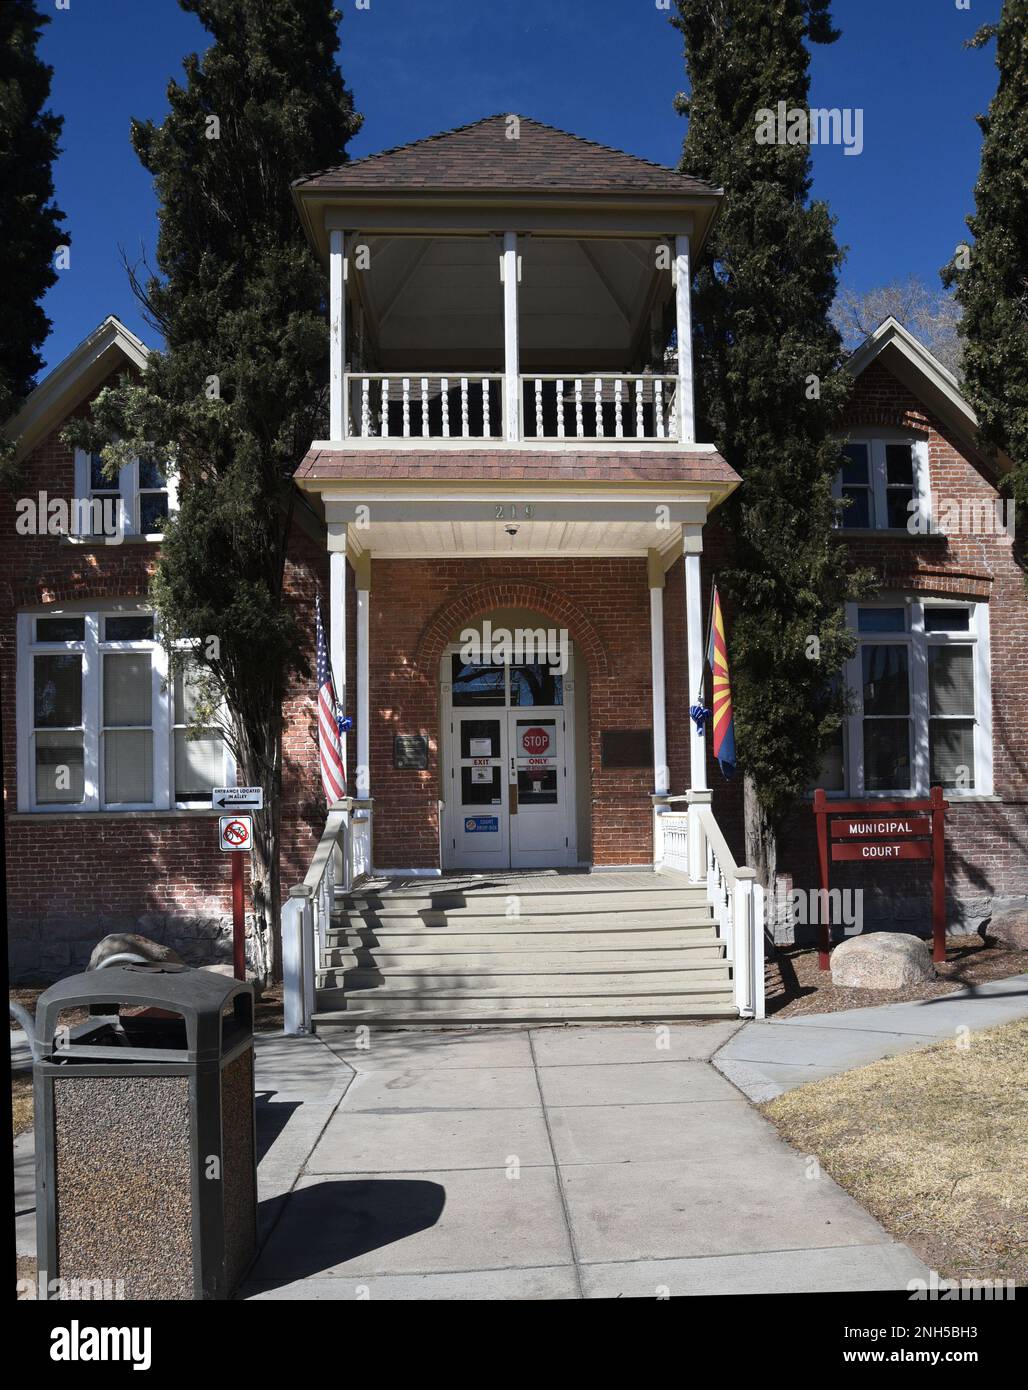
column 410, row 752
column 626, row 747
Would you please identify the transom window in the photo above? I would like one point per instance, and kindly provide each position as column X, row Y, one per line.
column 884, row 483
column 499, row 686
column 921, row 704
column 100, row 726
column 142, row 490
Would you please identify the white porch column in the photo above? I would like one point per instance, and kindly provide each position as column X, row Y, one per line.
column 511, row 351
column 362, row 576
column 655, row 574
column 337, row 404
column 337, row 618
column 683, row 325
column 692, row 546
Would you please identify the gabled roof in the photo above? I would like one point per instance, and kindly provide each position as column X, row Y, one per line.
column 907, row 358
column 74, row 379
column 481, row 156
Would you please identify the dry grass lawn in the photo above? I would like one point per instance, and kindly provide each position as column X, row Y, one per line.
column 21, row 1102
column 934, row 1144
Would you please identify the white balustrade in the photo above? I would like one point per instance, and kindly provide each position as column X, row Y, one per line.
column 342, row 857
column 639, row 407
column 372, row 394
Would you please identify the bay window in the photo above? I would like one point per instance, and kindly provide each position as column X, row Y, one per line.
column 100, row 725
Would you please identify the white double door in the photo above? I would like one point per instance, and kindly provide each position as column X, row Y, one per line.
column 509, row 796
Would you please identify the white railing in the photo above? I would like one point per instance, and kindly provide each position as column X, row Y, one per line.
column 418, row 405
column 673, row 830
column 608, row 405
column 692, row 842
column 342, row 857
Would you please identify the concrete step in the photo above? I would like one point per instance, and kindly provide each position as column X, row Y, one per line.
column 523, row 991
column 669, row 938
column 520, row 957
column 532, row 922
column 614, row 976
column 498, row 904
column 552, row 921
column 662, row 1010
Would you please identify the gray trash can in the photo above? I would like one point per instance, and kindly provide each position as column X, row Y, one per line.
column 145, row 1147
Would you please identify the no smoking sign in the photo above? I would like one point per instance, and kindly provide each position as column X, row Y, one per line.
column 235, row 832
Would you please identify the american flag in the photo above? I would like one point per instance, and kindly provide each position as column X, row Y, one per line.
column 331, row 724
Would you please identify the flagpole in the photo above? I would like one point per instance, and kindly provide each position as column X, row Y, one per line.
column 706, row 644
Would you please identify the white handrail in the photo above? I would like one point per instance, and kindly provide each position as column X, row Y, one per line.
column 343, row 854
column 692, row 842
column 737, row 900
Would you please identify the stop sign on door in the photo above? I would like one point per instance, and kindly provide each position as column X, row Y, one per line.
column 535, row 740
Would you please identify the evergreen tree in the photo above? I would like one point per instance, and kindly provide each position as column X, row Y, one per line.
column 30, row 224
column 240, row 389
column 769, row 393
column 993, row 288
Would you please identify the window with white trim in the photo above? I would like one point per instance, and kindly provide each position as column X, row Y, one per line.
column 884, row 482
column 143, row 490
column 100, row 725
column 921, row 701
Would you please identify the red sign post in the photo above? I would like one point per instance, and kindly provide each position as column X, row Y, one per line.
column 881, row 832
column 236, row 836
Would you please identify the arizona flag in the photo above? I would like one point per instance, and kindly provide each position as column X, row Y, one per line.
column 723, row 722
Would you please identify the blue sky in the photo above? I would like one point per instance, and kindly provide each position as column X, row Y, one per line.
column 606, row 69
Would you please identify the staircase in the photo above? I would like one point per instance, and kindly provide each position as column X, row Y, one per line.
column 522, row 948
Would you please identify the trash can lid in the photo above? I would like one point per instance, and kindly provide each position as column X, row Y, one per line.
column 199, row 996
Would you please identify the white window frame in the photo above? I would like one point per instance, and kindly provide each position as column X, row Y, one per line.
column 128, row 489
column 917, row 641
column 93, row 649
column 875, row 440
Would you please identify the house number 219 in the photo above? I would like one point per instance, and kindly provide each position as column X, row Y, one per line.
column 504, row 513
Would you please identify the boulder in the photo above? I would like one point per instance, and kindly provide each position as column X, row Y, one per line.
column 1009, row 927
column 882, row 960
column 129, row 944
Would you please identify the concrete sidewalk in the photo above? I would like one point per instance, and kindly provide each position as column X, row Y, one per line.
column 766, row 1058
column 545, row 1163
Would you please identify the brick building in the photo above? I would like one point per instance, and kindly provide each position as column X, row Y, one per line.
column 515, row 516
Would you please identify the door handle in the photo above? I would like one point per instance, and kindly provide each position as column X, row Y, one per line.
column 513, row 798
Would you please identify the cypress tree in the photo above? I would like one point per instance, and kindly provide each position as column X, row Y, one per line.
column 993, row 288
column 240, row 389
column 30, row 223
column 769, row 392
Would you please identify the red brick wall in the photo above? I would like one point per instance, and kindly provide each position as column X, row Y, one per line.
column 987, row 840
column 418, row 606
column 72, row 877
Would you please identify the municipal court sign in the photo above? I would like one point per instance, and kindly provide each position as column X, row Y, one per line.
column 235, row 832
column 885, row 832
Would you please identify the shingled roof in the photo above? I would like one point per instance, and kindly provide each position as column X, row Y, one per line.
column 481, row 156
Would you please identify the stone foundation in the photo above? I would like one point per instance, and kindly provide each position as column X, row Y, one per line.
column 42, row 952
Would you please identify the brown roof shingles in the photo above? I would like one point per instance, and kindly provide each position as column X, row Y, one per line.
column 481, row 156
column 672, row 465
